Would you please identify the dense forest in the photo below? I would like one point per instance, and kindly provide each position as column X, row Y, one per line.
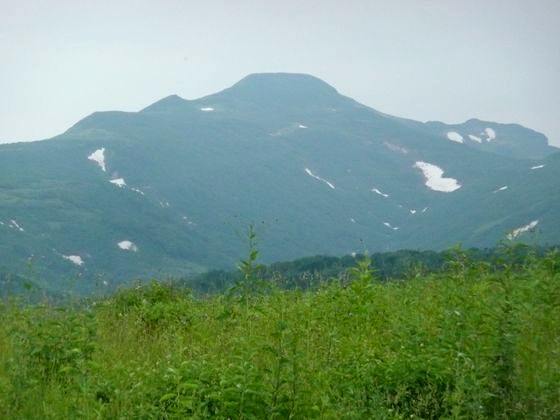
column 311, row 272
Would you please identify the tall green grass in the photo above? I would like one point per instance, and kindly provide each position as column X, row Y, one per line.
column 476, row 341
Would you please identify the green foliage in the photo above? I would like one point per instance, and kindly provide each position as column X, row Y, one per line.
column 362, row 274
column 155, row 306
column 52, row 343
column 472, row 342
column 251, row 282
column 310, row 273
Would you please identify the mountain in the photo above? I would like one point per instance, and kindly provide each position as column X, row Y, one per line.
column 170, row 190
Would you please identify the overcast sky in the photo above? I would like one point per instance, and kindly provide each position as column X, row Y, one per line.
column 446, row 60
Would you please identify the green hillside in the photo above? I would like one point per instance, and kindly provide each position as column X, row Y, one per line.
column 317, row 172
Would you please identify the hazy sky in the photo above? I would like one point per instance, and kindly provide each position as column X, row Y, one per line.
column 448, row 60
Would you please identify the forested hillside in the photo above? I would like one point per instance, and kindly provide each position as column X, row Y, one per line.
column 168, row 190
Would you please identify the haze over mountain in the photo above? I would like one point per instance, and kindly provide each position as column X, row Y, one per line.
column 170, row 190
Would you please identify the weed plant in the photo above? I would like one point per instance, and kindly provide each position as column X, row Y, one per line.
column 478, row 340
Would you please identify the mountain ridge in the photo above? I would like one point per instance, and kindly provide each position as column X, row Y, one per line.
column 177, row 182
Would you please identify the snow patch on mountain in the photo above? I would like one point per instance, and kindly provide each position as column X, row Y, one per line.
column 76, row 259
column 490, row 134
column 537, row 167
column 127, row 246
column 390, row 226
column 412, row 211
column 136, row 190
column 375, row 190
column 454, row 136
column 505, row 187
column 99, row 157
column 475, row 138
column 311, row 174
column 523, row 229
column 207, row 109
column 14, row 225
column 434, row 178
column 119, row 182
column 302, row 126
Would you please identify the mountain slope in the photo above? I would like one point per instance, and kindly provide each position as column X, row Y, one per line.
column 170, row 190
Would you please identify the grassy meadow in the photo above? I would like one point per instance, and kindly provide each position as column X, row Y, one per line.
column 477, row 340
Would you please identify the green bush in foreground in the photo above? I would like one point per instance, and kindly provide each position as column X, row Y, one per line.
column 475, row 341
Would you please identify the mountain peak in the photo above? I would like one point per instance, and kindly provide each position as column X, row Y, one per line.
column 169, row 102
column 279, row 89
column 261, row 89
column 280, row 81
